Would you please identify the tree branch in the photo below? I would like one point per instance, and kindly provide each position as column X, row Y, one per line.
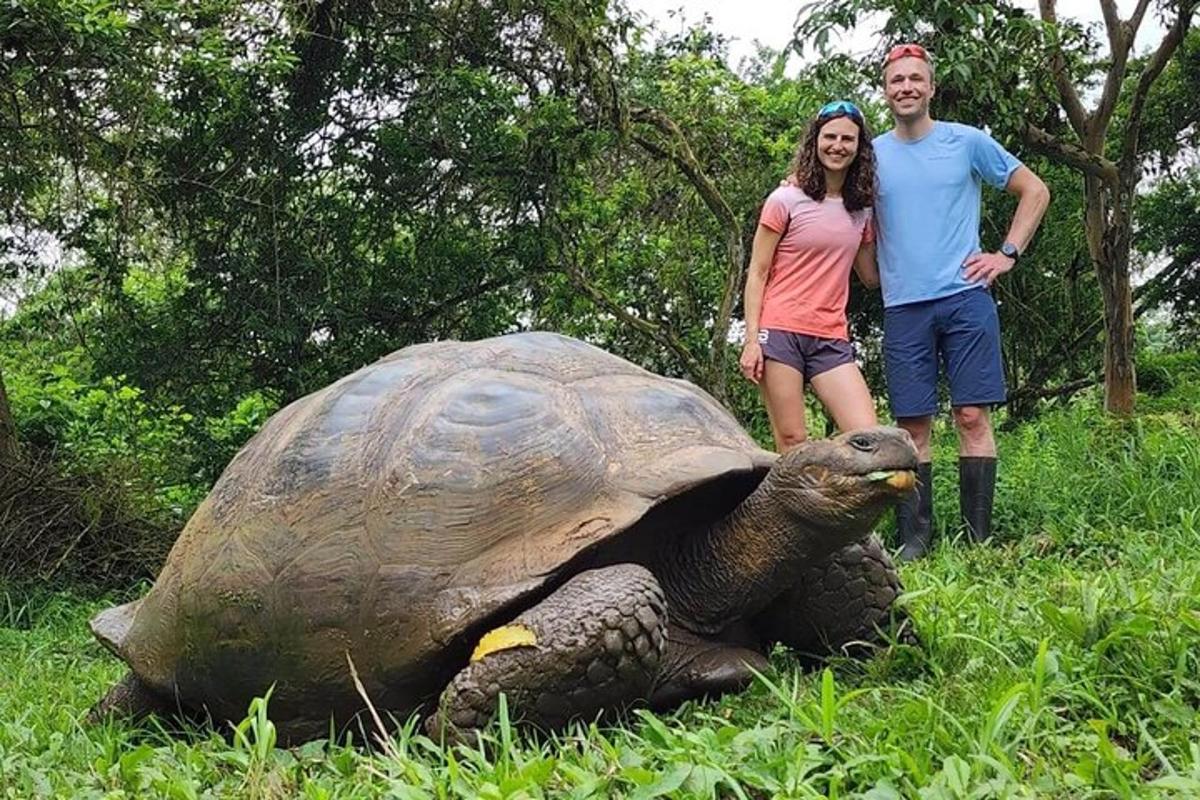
column 1064, row 390
column 479, row 290
column 1112, row 23
column 1066, row 89
column 1070, row 154
column 1120, row 41
column 1157, row 63
column 681, row 155
column 1151, row 293
column 659, row 333
column 1135, row 21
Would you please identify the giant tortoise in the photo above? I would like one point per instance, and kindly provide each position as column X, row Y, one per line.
column 526, row 514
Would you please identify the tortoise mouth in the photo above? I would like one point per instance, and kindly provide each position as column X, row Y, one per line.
column 898, row 480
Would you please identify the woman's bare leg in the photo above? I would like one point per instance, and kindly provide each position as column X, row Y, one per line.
column 846, row 397
column 783, row 390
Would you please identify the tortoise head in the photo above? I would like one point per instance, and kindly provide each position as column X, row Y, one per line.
column 841, row 485
column 817, row 498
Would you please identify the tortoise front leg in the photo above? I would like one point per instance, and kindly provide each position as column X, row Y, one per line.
column 132, row 699
column 593, row 645
column 841, row 604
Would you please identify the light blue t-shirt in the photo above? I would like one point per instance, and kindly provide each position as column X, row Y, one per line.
column 927, row 210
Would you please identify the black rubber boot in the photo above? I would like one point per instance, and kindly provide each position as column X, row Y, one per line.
column 914, row 516
column 976, row 491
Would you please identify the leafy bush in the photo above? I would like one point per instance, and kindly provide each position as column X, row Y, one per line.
column 109, row 478
column 107, row 426
column 1170, row 380
column 167, row 457
column 81, row 529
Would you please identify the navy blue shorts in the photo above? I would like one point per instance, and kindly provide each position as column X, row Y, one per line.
column 963, row 331
column 808, row 355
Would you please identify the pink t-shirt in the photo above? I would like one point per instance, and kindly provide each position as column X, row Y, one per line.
column 809, row 282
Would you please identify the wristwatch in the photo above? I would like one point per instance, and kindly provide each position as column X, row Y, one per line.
column 1009, row 249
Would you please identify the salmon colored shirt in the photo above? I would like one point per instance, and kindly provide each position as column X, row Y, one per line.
column 809, row 282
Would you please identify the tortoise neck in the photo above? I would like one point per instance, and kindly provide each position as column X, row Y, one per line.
column 736, row 566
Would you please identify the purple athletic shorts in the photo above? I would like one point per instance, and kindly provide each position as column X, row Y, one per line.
column 808, row 355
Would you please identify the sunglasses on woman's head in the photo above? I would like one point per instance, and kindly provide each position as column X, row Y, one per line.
column 906, row 50
column 839, row 107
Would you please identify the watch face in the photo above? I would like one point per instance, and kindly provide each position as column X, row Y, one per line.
column 1009, row 250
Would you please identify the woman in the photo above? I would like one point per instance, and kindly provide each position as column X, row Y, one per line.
column 810, row 233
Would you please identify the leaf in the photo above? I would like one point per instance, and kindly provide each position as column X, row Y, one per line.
column 664, row 783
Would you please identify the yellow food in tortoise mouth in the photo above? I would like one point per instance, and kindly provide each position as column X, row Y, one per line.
column 902, row 479
column 505, row 637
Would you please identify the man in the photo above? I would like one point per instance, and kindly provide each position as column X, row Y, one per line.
column 935, row 281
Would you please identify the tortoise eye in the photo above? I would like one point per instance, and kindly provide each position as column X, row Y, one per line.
column 864, row 443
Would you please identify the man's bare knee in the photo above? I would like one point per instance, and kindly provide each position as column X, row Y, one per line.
column 972, row 420
column 974, row 431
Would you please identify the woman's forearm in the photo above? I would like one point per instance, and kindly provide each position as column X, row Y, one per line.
column 752, row 304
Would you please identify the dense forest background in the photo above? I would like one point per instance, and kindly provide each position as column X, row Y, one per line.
column 213, row 208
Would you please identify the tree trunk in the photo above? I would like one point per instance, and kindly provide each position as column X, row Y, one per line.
column 735, row 270
column 1120, row 379
column 8, row 430
column 1109, row 235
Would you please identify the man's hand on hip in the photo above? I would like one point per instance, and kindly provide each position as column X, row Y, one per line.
column 986, row 267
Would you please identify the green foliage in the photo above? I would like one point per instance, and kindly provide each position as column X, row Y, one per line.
column 1060, row 661
column 282, row 203
column 1169, row 229
column 1171, row 379
column 293, row 200
column 166, row 455
column 106, row 424
column 1173, row 108
column 231, row 431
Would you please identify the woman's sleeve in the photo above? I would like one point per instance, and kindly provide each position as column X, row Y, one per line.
column 774, row 214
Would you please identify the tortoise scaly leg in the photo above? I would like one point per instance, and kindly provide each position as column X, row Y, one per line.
column 594, row 644
column 840, row 604
column 131, row 699
column 695, row 667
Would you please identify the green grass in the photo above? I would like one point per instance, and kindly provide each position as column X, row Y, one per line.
column 1061, row 661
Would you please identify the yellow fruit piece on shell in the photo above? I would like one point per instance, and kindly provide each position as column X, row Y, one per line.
column 505, row 637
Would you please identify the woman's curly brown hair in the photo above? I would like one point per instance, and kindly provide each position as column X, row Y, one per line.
column 859, row 190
